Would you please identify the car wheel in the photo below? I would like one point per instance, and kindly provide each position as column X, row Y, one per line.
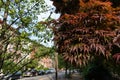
column 20, row 77
column 10, row 78
column 36, row 74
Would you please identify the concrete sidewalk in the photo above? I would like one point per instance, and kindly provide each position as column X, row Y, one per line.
column 75, row 76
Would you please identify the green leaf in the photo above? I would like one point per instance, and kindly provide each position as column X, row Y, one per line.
column 11, row 12
column 17, row 1
column 1, row 4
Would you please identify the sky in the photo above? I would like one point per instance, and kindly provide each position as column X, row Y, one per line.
column 44, row 16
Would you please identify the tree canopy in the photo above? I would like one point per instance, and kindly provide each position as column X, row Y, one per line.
column 86, row 29
column 18, row 23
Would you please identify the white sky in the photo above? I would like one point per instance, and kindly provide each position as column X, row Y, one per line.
column 43, row 16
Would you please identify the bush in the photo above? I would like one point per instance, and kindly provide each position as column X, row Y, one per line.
column 96, row 70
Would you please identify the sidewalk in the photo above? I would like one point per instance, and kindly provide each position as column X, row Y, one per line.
column 75, row 76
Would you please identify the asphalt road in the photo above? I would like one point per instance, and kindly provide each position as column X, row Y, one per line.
column 45, row 77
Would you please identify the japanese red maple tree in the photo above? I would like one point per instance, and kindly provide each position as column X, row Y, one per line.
column 86, row 29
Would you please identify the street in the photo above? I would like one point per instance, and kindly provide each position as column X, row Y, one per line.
column 45, row 77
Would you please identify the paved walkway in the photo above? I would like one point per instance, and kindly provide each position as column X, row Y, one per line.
column 75, row 76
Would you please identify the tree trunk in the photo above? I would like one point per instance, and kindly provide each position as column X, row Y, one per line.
column 56, row 66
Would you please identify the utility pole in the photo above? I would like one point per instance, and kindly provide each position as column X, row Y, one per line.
column 56, row 66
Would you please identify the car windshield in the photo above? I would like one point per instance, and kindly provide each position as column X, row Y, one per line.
column 19, row 72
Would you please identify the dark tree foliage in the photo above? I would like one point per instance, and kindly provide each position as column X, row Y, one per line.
column 115, row 3
column 72, row 6
column 66, row 6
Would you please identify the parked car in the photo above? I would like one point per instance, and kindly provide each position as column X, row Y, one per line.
column 34, row 72
column 27, row 73
column 6, row 77
column 17, row 75
column 41, row 72
column 13, row 76
column 51, row 70
column 30, row 73
column 48, row 72
column 1, row 75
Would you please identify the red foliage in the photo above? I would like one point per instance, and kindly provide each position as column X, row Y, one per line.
column 117, row 57
column 86, row 31
column 1, row 22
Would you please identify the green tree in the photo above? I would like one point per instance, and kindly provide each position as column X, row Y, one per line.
column 61, row 62
column 18, row 19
